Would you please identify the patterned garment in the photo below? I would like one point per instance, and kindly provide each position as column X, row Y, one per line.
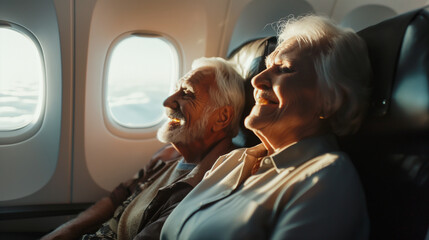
column 107, row 230
column 167, row 180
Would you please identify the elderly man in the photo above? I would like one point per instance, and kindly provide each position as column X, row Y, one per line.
column 204, row 115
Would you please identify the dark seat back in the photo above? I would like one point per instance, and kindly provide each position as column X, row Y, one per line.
column 391, row 150
column 249, row 59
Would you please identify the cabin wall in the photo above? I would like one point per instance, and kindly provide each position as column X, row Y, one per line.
column 28, row 165
column 76, row 155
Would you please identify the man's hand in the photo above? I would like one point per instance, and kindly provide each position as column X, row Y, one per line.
column 86, row 222
column 63, row 232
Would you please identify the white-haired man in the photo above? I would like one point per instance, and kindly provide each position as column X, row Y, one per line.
column 204, row 115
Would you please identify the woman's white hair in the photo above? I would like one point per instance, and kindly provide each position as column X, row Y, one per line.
column 230, row 88
column 342, row 66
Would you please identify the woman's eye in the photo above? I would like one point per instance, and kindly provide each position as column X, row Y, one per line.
column 285, row 70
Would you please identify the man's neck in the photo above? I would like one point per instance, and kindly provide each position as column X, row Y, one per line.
column 196, row 152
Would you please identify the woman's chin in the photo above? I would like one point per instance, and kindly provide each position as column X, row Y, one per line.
column 254, row 123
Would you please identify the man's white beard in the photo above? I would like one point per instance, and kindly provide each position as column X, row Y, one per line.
column 183, row 134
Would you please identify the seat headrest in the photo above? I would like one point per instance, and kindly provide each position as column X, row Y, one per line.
column 390, row 151
column 250, row 56
column 399, row 54
column 249, row 60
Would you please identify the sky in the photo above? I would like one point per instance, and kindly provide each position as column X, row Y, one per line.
column 21, row 79
column 140, row 75
column 139, row 78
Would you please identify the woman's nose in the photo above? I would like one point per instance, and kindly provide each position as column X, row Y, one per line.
column 262, row 80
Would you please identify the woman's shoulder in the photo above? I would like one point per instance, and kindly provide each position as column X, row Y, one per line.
column 332, row 167
column 330, row 161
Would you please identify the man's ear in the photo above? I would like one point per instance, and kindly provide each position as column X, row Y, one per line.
column 223, row 118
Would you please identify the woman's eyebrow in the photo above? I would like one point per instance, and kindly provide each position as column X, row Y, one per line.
column 284, row 57
column 269, row 60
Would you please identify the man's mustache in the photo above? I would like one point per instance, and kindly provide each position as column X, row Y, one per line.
column 175, row 114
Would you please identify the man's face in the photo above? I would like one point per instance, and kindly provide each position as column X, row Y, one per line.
column 189, row 108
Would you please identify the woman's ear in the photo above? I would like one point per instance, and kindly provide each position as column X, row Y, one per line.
column 223, row 118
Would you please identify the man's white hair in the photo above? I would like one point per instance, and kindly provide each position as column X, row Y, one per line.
column 342, row 66
column 230, row 89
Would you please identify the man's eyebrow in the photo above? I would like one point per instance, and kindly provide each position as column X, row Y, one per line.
column 184, row 84
column 189, row 86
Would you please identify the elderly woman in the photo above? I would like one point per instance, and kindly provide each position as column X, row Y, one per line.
column 296, row 184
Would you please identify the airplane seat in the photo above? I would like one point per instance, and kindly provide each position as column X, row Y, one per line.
column 249, row 60
column 391, row 149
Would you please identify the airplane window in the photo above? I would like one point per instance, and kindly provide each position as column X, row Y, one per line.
column 140, row 71
column 21, row 78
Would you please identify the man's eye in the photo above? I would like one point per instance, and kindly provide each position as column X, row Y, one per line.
column 188, row 94
column 285, row 70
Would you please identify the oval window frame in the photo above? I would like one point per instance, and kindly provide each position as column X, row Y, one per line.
column 25, row 132
column 111, row 124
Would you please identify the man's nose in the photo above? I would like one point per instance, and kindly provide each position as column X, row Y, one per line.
column 171, row 101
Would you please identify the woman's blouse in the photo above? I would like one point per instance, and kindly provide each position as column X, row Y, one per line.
column 310, row 190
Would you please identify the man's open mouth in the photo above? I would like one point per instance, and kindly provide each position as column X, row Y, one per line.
column 174, row 121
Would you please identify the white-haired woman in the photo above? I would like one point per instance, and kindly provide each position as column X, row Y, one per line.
column 297, row 184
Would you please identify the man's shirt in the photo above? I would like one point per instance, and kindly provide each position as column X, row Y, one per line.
column 158, row 190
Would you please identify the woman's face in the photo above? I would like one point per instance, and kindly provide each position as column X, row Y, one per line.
column 286, row 94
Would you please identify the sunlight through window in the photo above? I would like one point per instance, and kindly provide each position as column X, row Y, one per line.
column 21, row 79
column 140, row 72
